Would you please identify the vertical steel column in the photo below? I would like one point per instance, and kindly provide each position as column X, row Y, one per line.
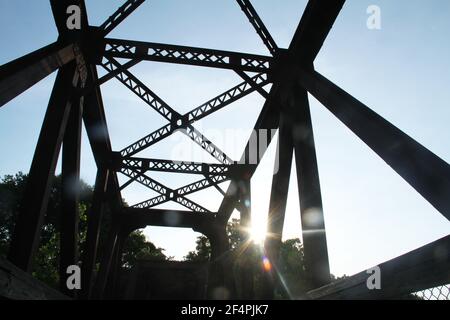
column 220, row 285
column 244, row 260
column 245, row 207
column 70, row 193
column 25, row 239
column 277, row 205
column 114, row 282
column 105, row 265
column 313, row 225
column 97, row 131
column 94, row 217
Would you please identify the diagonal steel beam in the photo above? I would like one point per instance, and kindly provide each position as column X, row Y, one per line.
column 163, row 199
column 168, row 130
column 241, row 90
column 316, row 22
column 113, row 73
column 215, row 185
column 313, row 29
column 22, row 73
column 250, row 81
column 145, row 180
column 207, row 145
column 92, row 86
column 139, row 88
column 174, row 194
column 148, row 140
column 126, row 184
column 163, row 190
column 155, row 201
column 250, row 85
column 201, row 184
column 121, row 14
column 428, row 174
column 259, row 26
column 196, row 114
column 25, row 239
column 191, row 205
column 128, row 49
column 177, row 121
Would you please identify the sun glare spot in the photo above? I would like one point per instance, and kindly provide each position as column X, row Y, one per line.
column 258, row 234
column 267, row 265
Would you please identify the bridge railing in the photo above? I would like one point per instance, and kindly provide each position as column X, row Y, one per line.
column 436, row 293
column 423, row 273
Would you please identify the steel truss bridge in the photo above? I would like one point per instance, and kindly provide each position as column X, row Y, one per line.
column 76, row 98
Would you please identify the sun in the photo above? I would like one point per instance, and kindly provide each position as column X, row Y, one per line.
column 258, row 234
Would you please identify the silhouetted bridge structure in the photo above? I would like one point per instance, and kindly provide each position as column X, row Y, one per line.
column 76, row 98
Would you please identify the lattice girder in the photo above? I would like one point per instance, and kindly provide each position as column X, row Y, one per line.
column 127, row 49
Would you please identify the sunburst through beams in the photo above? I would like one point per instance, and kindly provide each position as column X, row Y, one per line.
column 258, row 233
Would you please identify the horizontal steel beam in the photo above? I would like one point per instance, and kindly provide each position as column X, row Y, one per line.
column 128, row 49
column 187, row 167
column 137, row 218
column 21, row 74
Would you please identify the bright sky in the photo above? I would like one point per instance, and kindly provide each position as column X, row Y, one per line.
column 401, row 71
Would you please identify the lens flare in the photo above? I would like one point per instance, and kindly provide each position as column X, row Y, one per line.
column 266, row 264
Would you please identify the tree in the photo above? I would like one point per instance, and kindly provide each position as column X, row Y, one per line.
column 137, row 247
column 46, row 264
column 289, row 269
column 202, row 250
column 203, row 247
column 11, row 189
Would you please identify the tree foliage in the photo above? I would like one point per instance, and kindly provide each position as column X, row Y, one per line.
column 136, row 248
column 46, row 264
column 202, row 250
column 289, row 268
